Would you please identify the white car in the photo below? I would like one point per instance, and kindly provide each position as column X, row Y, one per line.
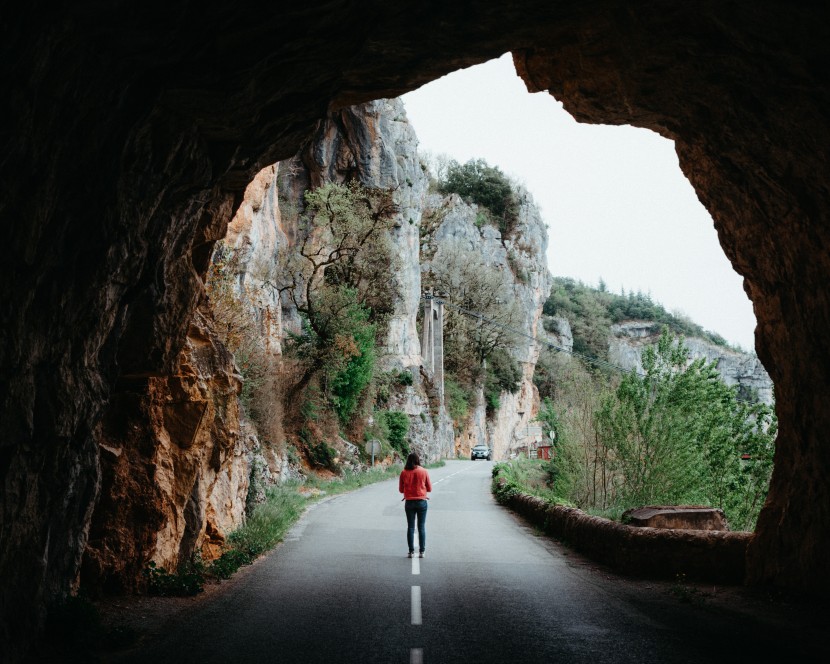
column 480, row 452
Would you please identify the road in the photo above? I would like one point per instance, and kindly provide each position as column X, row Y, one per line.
column 341, row 589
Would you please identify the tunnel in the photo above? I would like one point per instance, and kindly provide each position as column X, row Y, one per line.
column 131, row 132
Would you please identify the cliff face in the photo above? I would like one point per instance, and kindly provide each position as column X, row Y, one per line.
column 174, row 471
column 743, row 370
column 456, row 226
column 375, row 144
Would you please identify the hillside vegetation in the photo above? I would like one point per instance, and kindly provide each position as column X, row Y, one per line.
column 592, row 311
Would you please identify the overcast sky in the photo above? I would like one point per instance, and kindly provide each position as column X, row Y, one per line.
column 614, row 199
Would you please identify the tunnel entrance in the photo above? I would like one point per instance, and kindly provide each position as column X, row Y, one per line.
column 101, row 280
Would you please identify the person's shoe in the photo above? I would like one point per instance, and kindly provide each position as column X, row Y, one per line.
column 411, row 554
column 422, row 554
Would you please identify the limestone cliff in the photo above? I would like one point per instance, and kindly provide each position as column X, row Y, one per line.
column 743, row 370
column 375, row 144
column 457, row 226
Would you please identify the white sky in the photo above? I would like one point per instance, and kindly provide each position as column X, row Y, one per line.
column 615, row 201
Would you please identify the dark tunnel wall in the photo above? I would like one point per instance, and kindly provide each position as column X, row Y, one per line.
column 130, row 133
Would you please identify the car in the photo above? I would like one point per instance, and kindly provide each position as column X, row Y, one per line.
column 480, row 452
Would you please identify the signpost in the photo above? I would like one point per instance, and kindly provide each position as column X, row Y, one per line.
column 373, row 447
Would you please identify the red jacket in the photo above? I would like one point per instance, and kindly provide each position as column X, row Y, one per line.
column 414, row 484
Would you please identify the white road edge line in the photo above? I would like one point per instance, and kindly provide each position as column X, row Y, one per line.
column 416, row 605
column 416, row 656
column 416, row 565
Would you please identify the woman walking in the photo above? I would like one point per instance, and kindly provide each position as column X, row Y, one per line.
column 414, row 484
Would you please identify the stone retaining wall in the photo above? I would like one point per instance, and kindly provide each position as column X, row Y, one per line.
column 713, row 556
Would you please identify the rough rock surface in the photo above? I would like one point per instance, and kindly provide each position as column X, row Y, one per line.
column 744, row 370
column 375, row 144
column 521, row 257
column 558, row 332
column 175, row 474
column 129, row 139
column 680, row 517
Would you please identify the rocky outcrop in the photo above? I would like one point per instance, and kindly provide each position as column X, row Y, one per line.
column 375, row 144
column 175, row 472
column 559, row 332
column 455, row 226
column 128, row 144
column 743, row 370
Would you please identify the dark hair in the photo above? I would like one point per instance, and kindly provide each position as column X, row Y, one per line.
column 411, row 461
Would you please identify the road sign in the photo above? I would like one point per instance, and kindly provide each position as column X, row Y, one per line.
column 373, row 447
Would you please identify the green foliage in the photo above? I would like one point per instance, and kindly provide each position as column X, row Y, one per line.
column 503, row 374
column 337, row 275
column 398, row 426
column 485, row 185
column 267, row 524
column 505, row 371
column 226, row 565
column 404, row 378
column 591, row 312
column 188, row 581
column 457, row 399
column 677, row 435
column 348, row 384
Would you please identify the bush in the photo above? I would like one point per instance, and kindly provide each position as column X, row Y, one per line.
column 229, row 562
column 189, row 581
column 404, row 378
column 398, row 425
column 267, row 524
column 485, row 185
column 457, row 400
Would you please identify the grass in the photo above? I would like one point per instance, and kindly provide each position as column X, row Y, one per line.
column 528, row 476
column 266, row 527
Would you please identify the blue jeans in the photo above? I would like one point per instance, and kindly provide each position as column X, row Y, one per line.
column 416, row 508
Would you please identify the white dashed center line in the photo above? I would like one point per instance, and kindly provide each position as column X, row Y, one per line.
column 416, row 605
column 416, row 656
column 416, row 565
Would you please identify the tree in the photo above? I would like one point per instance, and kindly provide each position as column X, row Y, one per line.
column 478, row 182
column 476, row 287
column 678, row 434
column 336, row 273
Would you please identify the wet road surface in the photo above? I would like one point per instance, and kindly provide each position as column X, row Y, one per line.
column 341, row 589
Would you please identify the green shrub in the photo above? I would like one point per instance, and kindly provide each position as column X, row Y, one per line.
column 348, row 384
column 404, row 378
column 485, row 185
column 269, row 521
column 457, row 400
column 188, row 581
column 398, row 424
column 229, row 562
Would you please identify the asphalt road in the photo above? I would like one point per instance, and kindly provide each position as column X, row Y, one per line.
column 341, row 589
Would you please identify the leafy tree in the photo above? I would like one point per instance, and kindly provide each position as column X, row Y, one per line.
column 336, row 273
column 348, row 383
column 677, row 435
column 473, row 285
column 478, row 182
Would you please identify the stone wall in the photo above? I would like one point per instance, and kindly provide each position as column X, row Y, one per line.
column 699, row 555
